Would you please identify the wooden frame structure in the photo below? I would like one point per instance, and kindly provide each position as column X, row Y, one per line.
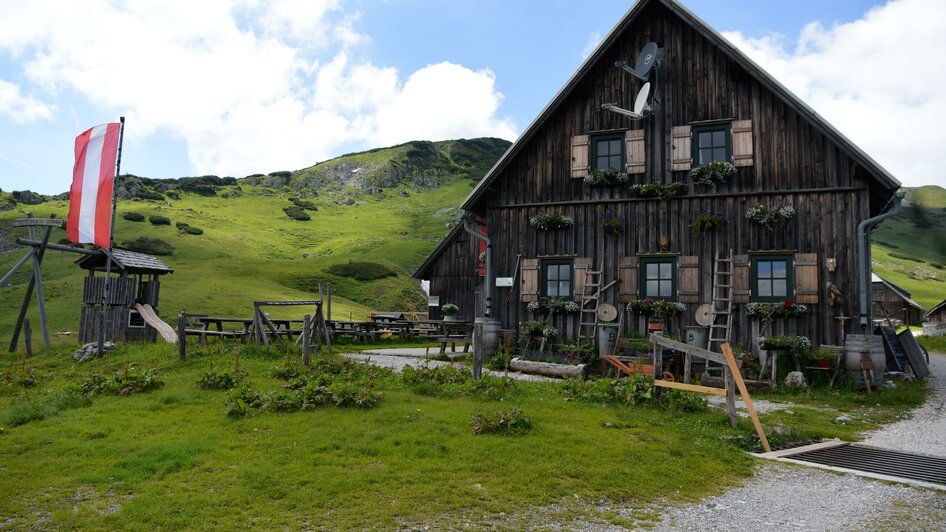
column 733, row 379
column 263, row 327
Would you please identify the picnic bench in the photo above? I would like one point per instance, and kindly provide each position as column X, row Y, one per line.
column 453, row 333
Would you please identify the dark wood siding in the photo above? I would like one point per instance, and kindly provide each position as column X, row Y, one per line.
column 454, row 276
column 793, row 163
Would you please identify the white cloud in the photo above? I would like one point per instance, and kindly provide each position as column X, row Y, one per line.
column 879, row 80
column 594, row 39
column 249, row 85
column 22, row 108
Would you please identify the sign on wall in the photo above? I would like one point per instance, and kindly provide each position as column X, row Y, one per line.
column 504, row 282
column 433, row 301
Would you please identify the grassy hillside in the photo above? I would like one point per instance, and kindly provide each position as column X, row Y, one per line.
column 909, row 249
column 251, row 249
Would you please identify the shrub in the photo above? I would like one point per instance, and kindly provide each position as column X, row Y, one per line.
column 296, row 213
column 149, row 194
column 134, row 216
column 304, row 204
column 220, row 380
column 153, row 246
column 20, row 375
column 624, row 391
column 501, row 422
column 681, row 401
column 159, row 220
column 281, row 173
column 243, row 401
column 492, row 388
column 437, row 375
column 361, row 271
column 126, row 381
column 188, row 229
column 450, row 309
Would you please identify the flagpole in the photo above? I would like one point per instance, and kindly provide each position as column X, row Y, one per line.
column 111, row 238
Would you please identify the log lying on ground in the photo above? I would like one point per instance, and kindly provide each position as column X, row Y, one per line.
column 547, row 368
column 752, row 386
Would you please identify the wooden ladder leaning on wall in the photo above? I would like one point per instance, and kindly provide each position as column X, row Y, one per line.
column 591, row 292
column 720, row 328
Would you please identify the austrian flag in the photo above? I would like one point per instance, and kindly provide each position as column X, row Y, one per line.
column 93, row 176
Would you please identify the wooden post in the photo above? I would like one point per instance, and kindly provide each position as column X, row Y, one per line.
column 727, row 352
column 306, row 338
column 181, row 338
column 40, row 298
column 329, row 310
column 730, row 396
column 28, row 338
column 658, row 370
column 37, row 259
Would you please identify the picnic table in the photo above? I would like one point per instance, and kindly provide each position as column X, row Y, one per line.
column 200, row 325
column 453, row 333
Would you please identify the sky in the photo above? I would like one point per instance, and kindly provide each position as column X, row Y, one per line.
column 236, row 87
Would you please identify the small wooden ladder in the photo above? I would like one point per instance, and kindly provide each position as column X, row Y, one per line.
column 591, row 291
column 721, row 313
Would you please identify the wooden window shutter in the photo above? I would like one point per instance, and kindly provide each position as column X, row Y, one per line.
column 681, row 148
column 582, row 265
column 742, row 143
column 634, row 149
column 740, row 279
column 806, row 278
column 529, row 280
column 580, row 155
column 688, row 279
column 627, row 278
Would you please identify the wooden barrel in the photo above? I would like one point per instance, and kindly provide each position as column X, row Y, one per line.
column 854, row 345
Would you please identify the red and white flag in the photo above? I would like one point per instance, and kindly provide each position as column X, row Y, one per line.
column 90, row 198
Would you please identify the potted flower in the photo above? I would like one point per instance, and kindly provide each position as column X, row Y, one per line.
column 605, row 178
column 644, row 307
column 770, row 218
column 707, row 222
column 823, row 358
column 537, row 330
column 611, row 225
column 550, row 221
column 714, row 173
column 797, row 345
column 450, row 312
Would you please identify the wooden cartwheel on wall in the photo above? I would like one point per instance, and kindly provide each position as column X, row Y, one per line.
column 134, row 282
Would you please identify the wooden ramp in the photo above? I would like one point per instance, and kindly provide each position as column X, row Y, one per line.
column 153, row 320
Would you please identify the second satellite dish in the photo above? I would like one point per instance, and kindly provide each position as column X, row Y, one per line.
column 641, row 107
column 645, row 62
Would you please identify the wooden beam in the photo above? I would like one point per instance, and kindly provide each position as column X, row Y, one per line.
column 55, row 247
column 285, row 303
column 689, row 387
column 37, row 258
column 687, row 348
column 47, row 222
column 16, row 267
column 737, row 376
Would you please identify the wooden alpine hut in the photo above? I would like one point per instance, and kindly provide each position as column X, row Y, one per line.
column 690, row 176
column 134, row 288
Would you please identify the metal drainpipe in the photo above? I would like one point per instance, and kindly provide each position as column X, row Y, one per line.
column 468, row 227
column 863, row 252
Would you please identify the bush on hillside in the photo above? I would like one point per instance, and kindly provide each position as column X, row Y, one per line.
column 189, row 229
column 281, row 173
column 148, row 194
column 159, row 220
column 361, row 271
column 134, row 216
column 304, row 204
column 296, row 213
column 152, row 246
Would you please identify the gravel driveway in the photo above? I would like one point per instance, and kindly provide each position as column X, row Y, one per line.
column 789, row 497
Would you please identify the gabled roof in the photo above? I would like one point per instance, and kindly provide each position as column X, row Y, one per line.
column 124, row 260
column 935, row 309
column 874, row 278
column 882, row 175
column 424, row 268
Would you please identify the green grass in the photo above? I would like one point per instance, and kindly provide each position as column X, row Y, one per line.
column 933, row 343
column 171, row 458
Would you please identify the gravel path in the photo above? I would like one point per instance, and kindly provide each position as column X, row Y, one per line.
column 789, row 497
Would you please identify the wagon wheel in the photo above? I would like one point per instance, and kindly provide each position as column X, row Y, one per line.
column 667, row 376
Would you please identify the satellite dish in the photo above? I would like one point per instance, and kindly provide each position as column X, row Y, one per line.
column 645, row 62
column 607, row 312
column 640, row 105
column 704, row 315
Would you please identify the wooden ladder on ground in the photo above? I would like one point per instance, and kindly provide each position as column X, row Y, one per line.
column 720, row 327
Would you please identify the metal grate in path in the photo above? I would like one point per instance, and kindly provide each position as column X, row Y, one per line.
column 857, row 458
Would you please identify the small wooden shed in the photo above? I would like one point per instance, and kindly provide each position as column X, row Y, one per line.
column 134, row 281
column 935, row 320
column 890, row 300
